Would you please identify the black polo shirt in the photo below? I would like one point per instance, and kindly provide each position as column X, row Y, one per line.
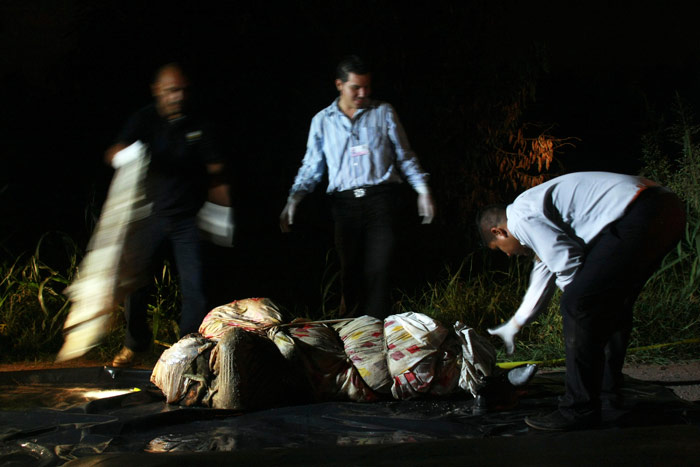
column 180, row 150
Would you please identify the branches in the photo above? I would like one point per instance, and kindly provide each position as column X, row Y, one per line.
column 530, row 158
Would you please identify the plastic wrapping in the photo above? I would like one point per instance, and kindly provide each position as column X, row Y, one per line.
column 363, row 340
column 478, row 358
column 654, row 428
column 448, row 367
column 251, row 314
column 407, row 356
column 249, row 372
column 113, row 265
column 330, row 372
column 413, row 341
column 174, row 373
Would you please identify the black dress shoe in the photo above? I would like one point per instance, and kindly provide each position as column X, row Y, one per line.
column 557, row 421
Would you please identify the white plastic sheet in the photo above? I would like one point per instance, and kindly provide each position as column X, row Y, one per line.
column 112, row 267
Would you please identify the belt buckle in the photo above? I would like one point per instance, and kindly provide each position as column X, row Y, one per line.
column 359, row 192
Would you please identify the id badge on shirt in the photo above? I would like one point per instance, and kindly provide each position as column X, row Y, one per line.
column 359, row 150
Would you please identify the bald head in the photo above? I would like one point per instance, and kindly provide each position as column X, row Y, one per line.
column 169, row 89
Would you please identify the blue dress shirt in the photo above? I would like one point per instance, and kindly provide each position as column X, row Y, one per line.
column 369, row 149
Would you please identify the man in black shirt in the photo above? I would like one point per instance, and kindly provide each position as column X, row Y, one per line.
column 185, row 169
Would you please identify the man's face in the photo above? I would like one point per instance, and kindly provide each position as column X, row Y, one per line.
column 508, row 244
column 170, row 93
column 354, row 93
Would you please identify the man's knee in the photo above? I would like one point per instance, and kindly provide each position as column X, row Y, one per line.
column 587, row 309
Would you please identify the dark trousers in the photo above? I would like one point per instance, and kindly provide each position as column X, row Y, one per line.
column 597, row 306
column 365, row 236
column 183, row 236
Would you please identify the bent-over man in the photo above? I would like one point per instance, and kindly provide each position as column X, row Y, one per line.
column 599, row 237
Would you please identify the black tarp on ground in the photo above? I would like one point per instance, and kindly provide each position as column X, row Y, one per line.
column 46, row 421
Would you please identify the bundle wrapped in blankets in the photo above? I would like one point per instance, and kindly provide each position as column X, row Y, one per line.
column 245, row 357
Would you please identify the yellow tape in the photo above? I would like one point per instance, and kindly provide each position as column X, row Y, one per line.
column 509, row 365
column 694, row 340
column 559, row 361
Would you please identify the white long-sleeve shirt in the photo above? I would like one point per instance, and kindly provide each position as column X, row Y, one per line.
column 557, row 219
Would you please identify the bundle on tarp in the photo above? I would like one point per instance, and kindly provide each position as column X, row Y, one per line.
column 363, row 341
column 251, row 314
column 408, row 355
column 184, row 369
column 331, row 374
column 249, row 372
column 231, row 363
column 478, row 359
column 413, row 341
column 448, row 367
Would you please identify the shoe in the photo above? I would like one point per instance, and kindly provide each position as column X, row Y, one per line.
column 557, row 421
column 125, row 358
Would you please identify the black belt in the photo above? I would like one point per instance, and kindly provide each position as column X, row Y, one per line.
column 361, row 192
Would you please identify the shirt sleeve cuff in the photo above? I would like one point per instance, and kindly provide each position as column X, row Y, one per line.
column 422, row 189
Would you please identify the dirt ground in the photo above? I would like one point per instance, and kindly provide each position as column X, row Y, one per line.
column 685, row 374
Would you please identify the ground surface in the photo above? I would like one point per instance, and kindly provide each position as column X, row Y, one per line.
column 685, row 374
column 682, row 377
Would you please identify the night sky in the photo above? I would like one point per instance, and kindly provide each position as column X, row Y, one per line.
column 71, row 72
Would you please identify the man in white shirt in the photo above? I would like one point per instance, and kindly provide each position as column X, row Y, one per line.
column 597, row 236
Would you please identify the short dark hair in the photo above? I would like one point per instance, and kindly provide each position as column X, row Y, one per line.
column 351, row 64
column 492, row 215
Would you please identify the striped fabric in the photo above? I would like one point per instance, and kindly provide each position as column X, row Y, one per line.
column 370, row 149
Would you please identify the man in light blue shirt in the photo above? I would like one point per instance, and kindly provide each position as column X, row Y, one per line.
column 597, row 236
column 361, row 145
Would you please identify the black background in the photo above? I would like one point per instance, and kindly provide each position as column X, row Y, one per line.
column 71, row 72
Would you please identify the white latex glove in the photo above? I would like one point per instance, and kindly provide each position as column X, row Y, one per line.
column 507, row 332
column 287, row 215
column 216, row 223
column 426, row 207
column 128, row 154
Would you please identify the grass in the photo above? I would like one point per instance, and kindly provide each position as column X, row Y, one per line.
column 664, row 316
column 33, row 307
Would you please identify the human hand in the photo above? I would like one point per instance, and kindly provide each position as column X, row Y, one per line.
column 287, row 214
column 507, row 332
column 119, row 154
column 426, row 207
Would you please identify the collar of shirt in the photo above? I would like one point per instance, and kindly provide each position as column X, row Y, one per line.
column 334, row 109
